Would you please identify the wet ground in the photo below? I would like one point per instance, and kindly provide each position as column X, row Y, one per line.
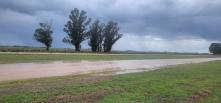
column 19, row 71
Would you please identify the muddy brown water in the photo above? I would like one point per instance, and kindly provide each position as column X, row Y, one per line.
column 20, row 71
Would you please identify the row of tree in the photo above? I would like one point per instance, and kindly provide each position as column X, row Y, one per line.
column 101, row 36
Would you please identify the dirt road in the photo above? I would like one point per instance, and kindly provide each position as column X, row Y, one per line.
column 59, row 68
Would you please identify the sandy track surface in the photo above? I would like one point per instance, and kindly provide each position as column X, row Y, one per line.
column 59, row 68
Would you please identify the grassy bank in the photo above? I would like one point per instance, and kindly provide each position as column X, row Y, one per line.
column 14, row 58
column 197, row 83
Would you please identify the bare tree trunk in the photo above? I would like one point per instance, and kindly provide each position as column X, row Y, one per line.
column 77, row 47
column 47, row 48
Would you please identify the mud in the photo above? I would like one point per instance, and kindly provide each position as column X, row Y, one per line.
column 19, row 71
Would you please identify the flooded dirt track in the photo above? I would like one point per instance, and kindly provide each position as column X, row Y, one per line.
column 19, row 71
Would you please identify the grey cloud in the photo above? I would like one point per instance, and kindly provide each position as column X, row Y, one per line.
column 168, row 19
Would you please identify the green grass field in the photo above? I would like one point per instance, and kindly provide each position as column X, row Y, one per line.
column 14, row 58
column 189, row 83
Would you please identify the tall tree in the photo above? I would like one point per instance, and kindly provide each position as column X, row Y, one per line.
column 111, row 35
column 43, row 34
column 76, row 28
column 96, row 36
column 215, row 48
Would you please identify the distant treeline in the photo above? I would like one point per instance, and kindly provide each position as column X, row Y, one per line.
column 69, row 50
column 34, row 49
column 101, row 36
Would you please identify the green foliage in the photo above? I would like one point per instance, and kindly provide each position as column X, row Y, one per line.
column 111, row 35
column 103, row 35
column 76, row 28
column 43, row 34
column 215, row 48
column 96, row 36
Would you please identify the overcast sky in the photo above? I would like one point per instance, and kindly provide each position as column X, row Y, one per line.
column 147, row 25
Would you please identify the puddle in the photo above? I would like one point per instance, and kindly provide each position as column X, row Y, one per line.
column 60, row 68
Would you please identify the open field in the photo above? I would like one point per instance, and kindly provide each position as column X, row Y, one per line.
column 188, row 83
column 44, row 57
column 110, row 51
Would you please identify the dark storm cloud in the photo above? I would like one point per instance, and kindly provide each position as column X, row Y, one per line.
column 171, row 19
column 168, row 19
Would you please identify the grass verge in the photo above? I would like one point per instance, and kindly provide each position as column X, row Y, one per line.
column 19, row 58
column 189, row 83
